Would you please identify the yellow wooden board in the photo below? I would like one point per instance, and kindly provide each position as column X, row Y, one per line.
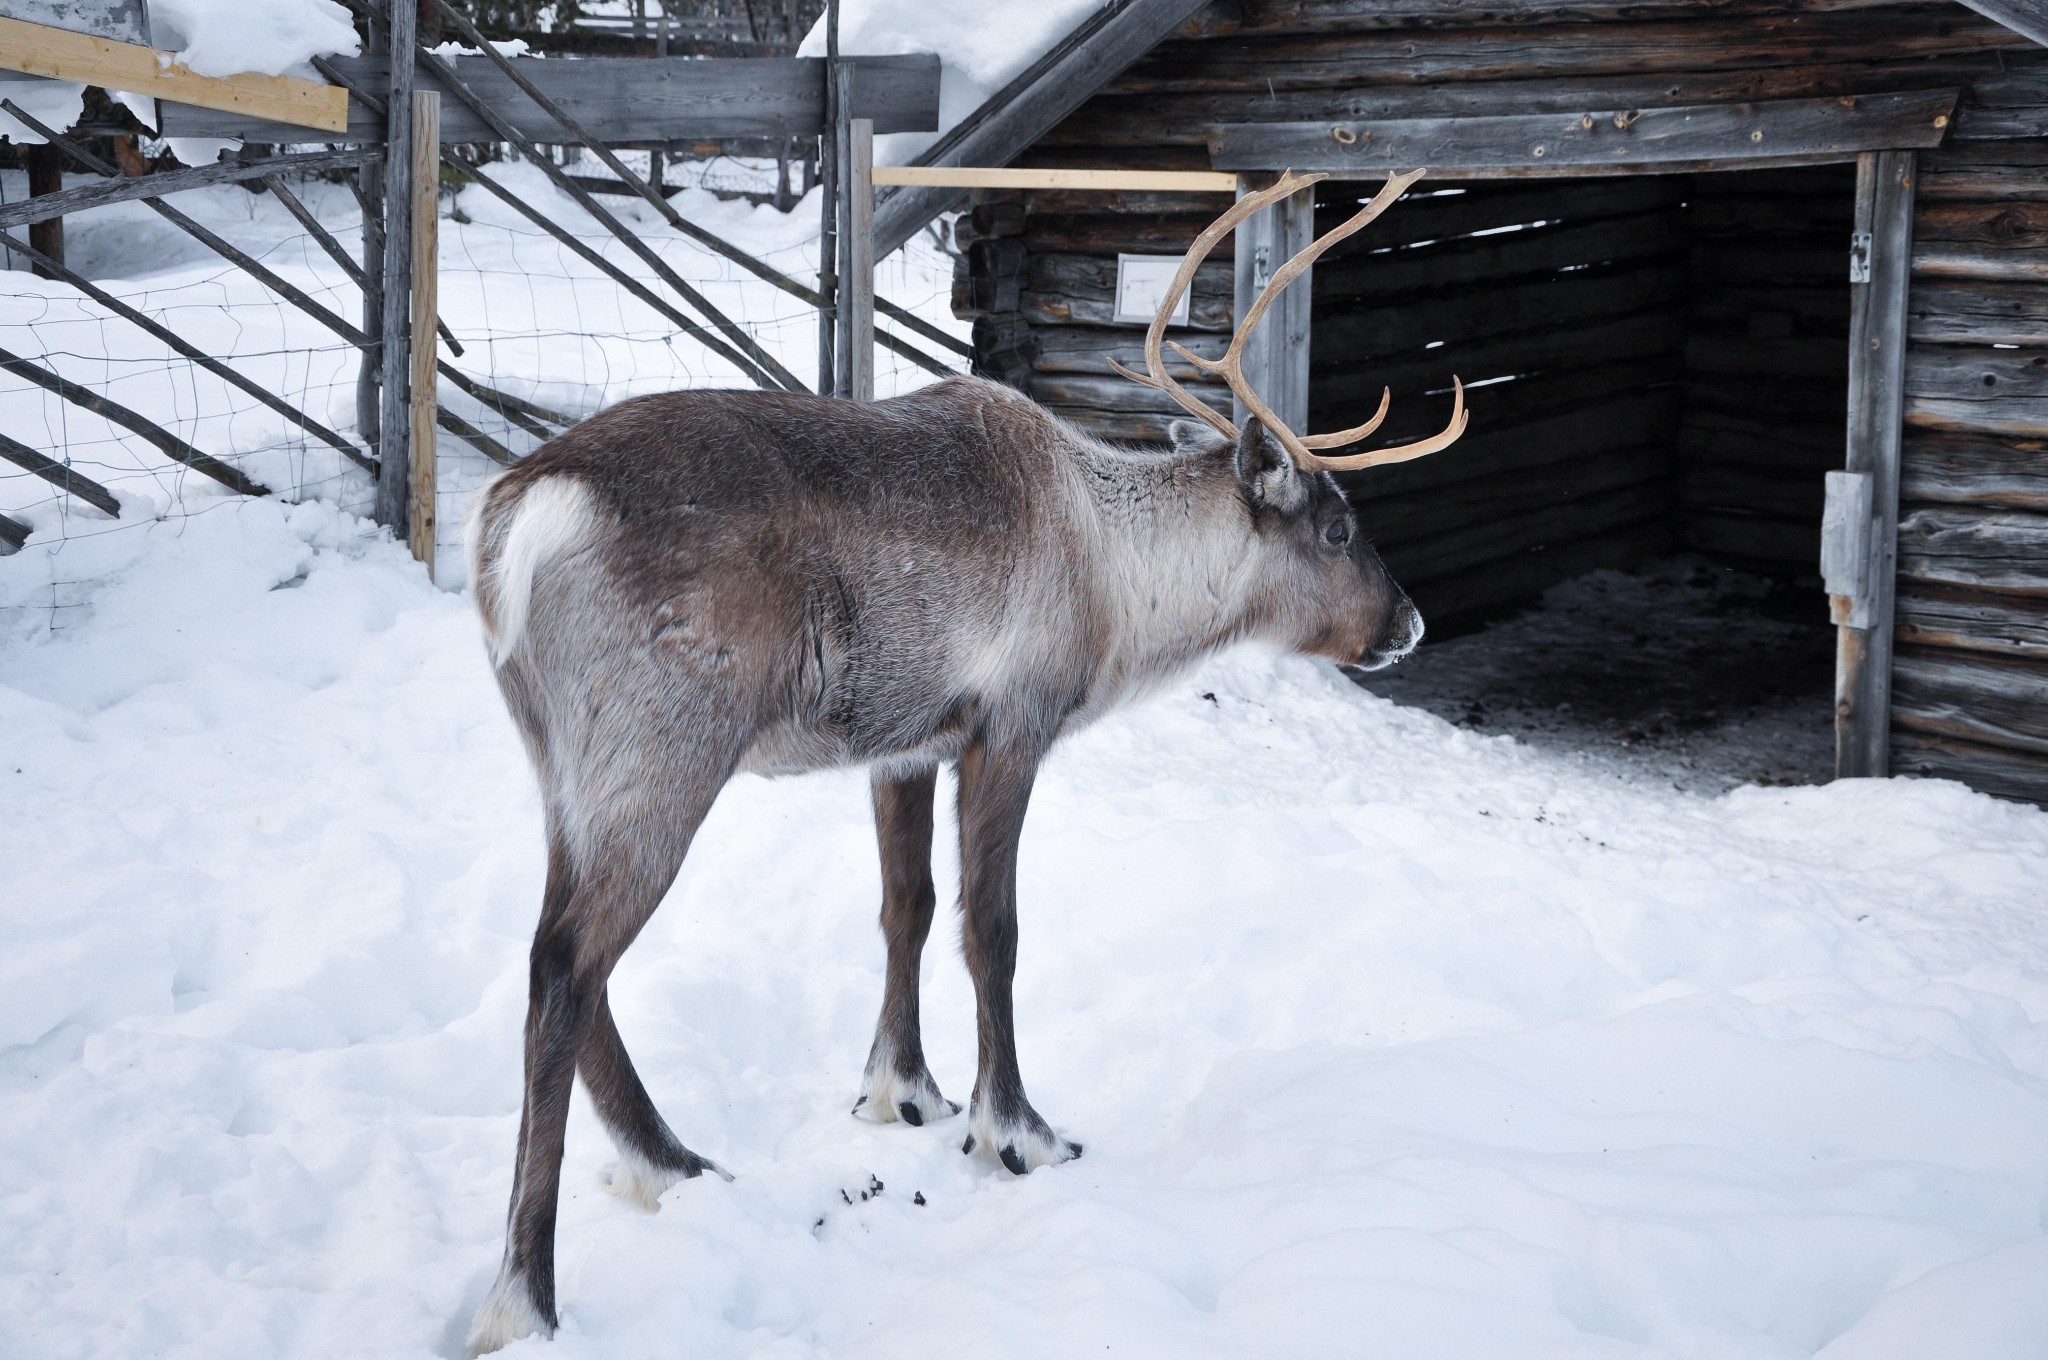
column 40, row 50
column 954, row 177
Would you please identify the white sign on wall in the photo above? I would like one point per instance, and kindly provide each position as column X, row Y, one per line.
column 1141, row 284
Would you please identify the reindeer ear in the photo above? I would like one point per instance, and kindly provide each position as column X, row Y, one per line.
column 1266, row 472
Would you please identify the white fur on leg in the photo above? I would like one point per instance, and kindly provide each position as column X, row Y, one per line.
column 640, row 1181
column 1023, row 1145
column 884, row 1092
column 506, row 1314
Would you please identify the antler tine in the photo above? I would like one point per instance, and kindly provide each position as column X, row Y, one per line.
column 1340, row 438
column 1401, row 453
column 1155, row 376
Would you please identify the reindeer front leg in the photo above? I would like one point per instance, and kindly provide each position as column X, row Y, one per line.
column 897, row 1084
column 995, row 788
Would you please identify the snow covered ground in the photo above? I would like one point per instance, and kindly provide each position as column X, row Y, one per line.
column 1385, row 1036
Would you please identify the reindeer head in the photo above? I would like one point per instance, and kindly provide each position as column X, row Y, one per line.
column 1328, row 593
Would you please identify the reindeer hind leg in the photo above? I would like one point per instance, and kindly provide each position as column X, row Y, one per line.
column 651, row 1157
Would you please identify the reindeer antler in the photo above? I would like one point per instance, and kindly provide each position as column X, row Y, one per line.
column 1231, row 366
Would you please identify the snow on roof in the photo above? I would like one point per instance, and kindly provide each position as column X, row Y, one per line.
column 982, row 46
column 233, row 37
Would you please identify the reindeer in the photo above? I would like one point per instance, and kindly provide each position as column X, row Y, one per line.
column 689, row 585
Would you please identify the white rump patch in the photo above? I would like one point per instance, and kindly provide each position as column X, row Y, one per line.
column 505, row 1315
column 553, row 516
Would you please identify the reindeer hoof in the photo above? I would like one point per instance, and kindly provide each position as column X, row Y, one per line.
column 888, row 1097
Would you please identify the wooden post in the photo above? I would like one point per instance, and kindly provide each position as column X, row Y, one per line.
column 1881, row 251
column 370, row 198
column 45, row 165
column 426, row 240
column 1276, row 356
column 394, row 475
column 855, row 375
column 828, row 226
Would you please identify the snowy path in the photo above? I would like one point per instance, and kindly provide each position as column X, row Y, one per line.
column 1384, row 1037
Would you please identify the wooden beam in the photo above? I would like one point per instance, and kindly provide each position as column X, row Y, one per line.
column 629, row 99
column 426, row 245
column 173, row 181
column 59, row 54
column 1024, row 110
column 1778, row 130
column 962, row 177
column 2025, row 17
column 1880, row 278
column 394, row 383
column 1276, row 356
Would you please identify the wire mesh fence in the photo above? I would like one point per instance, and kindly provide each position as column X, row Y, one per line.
column 528, row 313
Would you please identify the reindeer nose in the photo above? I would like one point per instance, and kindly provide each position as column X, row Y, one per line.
column 1403, row 631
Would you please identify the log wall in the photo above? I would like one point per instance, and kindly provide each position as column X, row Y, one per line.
column 1666, row 374
column 1970, row 676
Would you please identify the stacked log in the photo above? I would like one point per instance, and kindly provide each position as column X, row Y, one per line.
column 1970, row 676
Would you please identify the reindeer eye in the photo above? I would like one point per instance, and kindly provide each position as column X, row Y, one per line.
column 1338, row 534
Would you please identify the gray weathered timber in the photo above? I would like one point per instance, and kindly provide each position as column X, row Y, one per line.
column 1500, row 309
column 172, row 447
column 1506, row 449
column 60, row 475
column 1974, row 469
column 1973, row 550
column 394, row 378
column 1428, row 516
column 1019, row 113
column 1975, row 621
column 124, row 190
column 326, row 240
column 1877, row 356
column 1964, row 387
column 1957, row 260
column 1987, row 171
column 1977, row 312
column 2024, row 17
column 1082, row 288
column 1993, row 700
column 1761, row 539
column 2008, row 103
column 1337, row 393
column 854, row 375
column 1991, row 769
column 1527, row 572
column 1487, row 259
column 1468, row 546
column 1276, row 355
column 13, row 533
column 739, row 346
column 626, row 99
column 184, row 348
column 123, row 21
column 1774, row 129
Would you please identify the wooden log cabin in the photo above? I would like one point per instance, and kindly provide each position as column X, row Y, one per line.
column 1689, row 256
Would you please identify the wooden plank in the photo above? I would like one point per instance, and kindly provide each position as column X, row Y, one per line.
column 59, row 54
column 1974, row 469
column 1877, row 353
column 1795, row 356
column 1276, row 17
column 60, row 475
column 1118, row 394
column 1489, row 260
column 1996, row 701
column 1975, row 550
column 856, row 343
column 1977, row 313
column 121, row 20
column 1550, row 526
column 1527, row 572
column 2008, row 103
column 1500, row 308
column 13, row 534
column 1431, row 516
column 394, row 416
column 1157, row 120
column 630, row 99
column 1945, row 259
column 1503, row 449
column 959, row 177
column 1988, row 769
column 1082, row 288
column 1018, row 114
column 1999, row 171
column 1276, row 354
column 426, row 246
column 1762, row 540
column 1473, row 53
column 1780, row 493
column 89, row 196
column 1975, row 621
column 2024, row 17
column 1959, row 387
column 1776, row 129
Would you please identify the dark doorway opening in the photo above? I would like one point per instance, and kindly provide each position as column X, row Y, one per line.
column 1657, row 367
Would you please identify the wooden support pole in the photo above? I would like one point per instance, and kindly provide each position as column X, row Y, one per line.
column 828, row 208
column 1276, row 356
column 394, row 416
column 45, row 177
column 855, row 378
column 426, row 244
column 1881, row 252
